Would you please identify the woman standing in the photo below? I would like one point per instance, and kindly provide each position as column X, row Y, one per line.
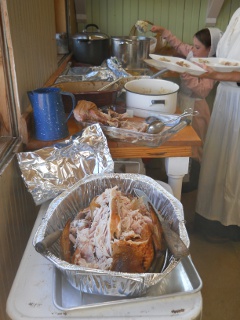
column 218, row 201
column 193, row 91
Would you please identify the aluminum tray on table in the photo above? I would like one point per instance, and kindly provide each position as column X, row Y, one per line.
column 183, row 280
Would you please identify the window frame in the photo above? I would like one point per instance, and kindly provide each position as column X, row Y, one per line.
column 9, row 131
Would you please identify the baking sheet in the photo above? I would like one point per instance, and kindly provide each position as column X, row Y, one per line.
column 171, row 63
column 184, row 279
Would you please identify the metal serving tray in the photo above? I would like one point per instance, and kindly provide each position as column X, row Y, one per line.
column 183, row 280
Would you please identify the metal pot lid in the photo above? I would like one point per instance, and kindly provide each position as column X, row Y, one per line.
column 130, row 38
column 86, row 35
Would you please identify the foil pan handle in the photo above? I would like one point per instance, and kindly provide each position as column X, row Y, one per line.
column 48, row 241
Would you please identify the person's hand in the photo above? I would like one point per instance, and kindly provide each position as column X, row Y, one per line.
column 157, row 29
column 210, row 73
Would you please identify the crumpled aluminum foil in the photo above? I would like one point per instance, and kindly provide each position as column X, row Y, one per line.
column 78, row 197
column 110, row 70
column 116, row 67
column 49, row 171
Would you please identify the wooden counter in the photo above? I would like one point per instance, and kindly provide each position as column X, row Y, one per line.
column 180, row 145
column 176, row 151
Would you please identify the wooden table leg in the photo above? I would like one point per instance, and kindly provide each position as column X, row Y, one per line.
column 176, row 168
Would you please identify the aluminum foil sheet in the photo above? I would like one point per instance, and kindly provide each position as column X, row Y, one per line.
column 49, row 171
column 110, row 70
column 71, row 201
column 116, row 67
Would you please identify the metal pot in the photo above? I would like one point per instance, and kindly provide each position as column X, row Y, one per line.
column 131, row 51
column 151, row 97
column 91, row 47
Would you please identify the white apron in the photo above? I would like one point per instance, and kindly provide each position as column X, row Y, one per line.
column 219, row 183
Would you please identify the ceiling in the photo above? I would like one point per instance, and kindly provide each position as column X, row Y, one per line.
column 214, row 7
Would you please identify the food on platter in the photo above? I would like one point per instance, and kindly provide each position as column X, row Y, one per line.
column 115, row 232
column 182, row 64
column 219, row 64
column 228, row 63
column 164, row 59
column 176, row 64
column 87, row 111
column 201, row 60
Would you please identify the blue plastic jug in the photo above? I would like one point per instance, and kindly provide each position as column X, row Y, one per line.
column 50, row 120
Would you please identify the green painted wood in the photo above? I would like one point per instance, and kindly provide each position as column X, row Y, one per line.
column 182, row 17
column 103, row 19
column 117, row 18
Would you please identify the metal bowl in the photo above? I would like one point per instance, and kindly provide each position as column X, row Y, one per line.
column 70, row 202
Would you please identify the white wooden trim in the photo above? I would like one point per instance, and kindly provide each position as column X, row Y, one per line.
column 214, row 7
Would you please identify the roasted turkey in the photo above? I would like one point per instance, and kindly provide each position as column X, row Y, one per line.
column 87, row 111
column 116, row 232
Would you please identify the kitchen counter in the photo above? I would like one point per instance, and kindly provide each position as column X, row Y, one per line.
column 176, row 152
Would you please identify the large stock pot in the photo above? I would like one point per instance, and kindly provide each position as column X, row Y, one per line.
column 131, row 51
column 91, row 47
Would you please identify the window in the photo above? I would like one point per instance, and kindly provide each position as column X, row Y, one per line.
column 9, row 136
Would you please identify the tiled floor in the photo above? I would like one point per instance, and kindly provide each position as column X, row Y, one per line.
column 218, row 264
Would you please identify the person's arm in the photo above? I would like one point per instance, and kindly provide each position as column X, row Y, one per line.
column 233, row 76
column 178, row 45
column 199, row 87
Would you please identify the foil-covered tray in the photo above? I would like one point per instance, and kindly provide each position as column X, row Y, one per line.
column 183, row 280
column 49, row 171
column 78, row 197
column 139, row 138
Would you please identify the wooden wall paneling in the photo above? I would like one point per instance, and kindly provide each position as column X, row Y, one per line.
column 149, row 10
column 224, row 15
column 72, row 19
column 5, row 127
column 60, row 16
column 34, row 46
column 97, row 6
column 176, row 15
column 17, row 216
column 202, row 14
column 164, row 15
column 103, row 19
column 112, row 24
column 234, row 5
column 118, row 19
column 157, row 12
column 143, row 6
column 179, row 19
column 133, row 9
column 191, row 21
column 126, row 18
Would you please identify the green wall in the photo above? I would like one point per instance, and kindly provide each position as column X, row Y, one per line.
column 182, row 17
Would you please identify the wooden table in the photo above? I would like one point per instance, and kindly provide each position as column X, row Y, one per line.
column 176, row 152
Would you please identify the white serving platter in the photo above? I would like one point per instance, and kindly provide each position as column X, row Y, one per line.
column 177, row 64
column 219, row 64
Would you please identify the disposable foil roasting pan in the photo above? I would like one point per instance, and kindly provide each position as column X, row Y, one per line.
column 71, row 201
